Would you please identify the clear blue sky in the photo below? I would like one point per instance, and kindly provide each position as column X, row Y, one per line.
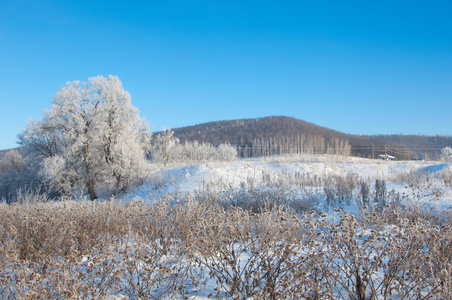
column 360, row 67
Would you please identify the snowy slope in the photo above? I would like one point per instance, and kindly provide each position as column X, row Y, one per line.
column 220, row 176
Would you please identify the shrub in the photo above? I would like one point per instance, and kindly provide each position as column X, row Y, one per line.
column 339, row 189
column 175, row 249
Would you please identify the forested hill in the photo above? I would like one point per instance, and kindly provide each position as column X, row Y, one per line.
column 286, row 135
column 244, row 131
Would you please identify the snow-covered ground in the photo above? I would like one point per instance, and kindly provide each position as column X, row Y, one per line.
column 416, row 181
column 426, row 187
column 220, row 176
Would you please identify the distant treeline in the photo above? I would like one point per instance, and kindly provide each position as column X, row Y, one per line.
column 285, row 135
column 294, row 145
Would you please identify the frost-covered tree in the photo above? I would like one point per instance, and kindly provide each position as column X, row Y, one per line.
column 91, row 138
column 226, row 152
column 166, row 147
column 201, row 151
column 446, row 155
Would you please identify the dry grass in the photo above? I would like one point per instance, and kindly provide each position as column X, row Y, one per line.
column 67, row 249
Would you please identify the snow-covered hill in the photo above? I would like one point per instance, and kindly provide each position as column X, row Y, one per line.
column 181, row 181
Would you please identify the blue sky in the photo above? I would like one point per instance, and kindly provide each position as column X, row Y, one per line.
column 360, row 67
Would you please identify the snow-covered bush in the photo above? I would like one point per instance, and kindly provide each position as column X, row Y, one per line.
column 446, row 155
column 392, row 262
column 446, row 176
column 17, row 175
column 339, row 189
column 381, row 192
column 88, row 250
column 225, row 152
column 418, row 177
column 258, row 199
column 364, row 192
column 254, row 255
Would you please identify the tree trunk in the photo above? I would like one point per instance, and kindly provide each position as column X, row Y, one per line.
column 92, row 193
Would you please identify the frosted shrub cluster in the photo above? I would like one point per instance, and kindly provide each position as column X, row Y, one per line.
column 446, row 176
column 339, row 189
column 99, row 249
column 167, row 150
column 258, row 199
column 16, row 175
